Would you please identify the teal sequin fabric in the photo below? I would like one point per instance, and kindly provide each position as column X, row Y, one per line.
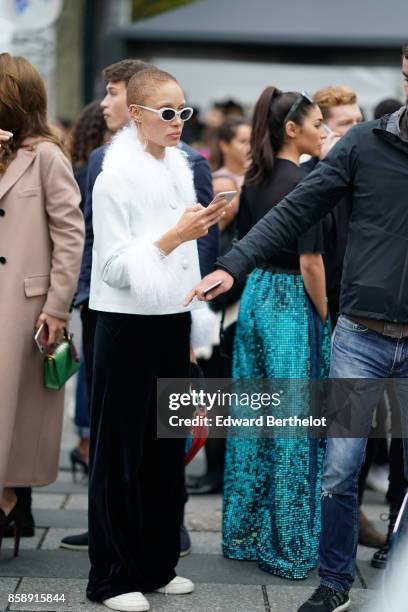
column 272, row 485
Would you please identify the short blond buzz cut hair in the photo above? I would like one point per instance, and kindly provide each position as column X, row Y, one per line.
column 144, row 81
column 336, row 95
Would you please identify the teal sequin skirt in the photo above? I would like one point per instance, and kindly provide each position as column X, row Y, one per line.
column 272, row 486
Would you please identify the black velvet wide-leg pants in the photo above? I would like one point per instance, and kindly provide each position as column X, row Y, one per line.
column 136, row 484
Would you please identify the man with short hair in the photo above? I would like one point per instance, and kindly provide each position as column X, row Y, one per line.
column 116, row 115
column 339, row 108
column 340, row 112
column 371, row 337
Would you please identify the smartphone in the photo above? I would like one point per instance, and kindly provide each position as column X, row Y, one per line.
column 213, row 286
column 228, row 195
column 41, row 338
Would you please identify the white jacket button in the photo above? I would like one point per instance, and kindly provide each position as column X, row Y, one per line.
column 184, row 264
column 173, row 205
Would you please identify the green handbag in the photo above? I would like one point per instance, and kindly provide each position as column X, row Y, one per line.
column 61, row 364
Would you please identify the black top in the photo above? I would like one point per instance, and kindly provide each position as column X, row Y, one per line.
column 255, row 202
column 371, row 161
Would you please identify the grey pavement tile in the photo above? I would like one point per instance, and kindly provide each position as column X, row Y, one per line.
column 63, row 477
column 374, row 498
column 65, row 485
column 211, row 598
column 77, row 502
column 7, row 586
column 47, row 501
column 25, row 543
column 210, row 568
column 204, row 512
column 54, row 536
column 64, row 460
column 45, row 564
column 289, row 598
column 198, row 465
column 203, row 521
column 374, row 512
column 370, row 577
column 204, row 503
column 73, row 592
column 364, row 553
column 206, row 542
column 61, row 518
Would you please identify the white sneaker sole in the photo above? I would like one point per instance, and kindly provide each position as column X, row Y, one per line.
column 343, row 607
column 115, row 603
column 176, row 590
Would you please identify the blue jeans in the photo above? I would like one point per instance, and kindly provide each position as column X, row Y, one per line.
column 357, row 352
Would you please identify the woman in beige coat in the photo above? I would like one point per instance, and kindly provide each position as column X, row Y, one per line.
column 41, row 239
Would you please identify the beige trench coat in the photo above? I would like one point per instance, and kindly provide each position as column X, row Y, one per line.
column 41, row 241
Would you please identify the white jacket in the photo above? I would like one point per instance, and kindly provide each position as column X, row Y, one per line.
column 136, row 199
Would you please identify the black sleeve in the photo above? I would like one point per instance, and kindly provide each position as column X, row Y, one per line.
column 245, row 222
column 311, row 241
column 309, row 202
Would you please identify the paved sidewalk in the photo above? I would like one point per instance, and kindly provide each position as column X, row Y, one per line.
column 221, row 585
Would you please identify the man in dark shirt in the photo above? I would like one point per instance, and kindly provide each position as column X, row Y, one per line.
column 371, row 337
column 340, row 112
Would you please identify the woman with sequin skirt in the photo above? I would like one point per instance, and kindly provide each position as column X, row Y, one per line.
column 272, row 485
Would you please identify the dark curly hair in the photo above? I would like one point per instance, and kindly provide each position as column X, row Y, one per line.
column 88, row 133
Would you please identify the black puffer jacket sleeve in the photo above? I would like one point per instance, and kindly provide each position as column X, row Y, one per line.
column 309, row 202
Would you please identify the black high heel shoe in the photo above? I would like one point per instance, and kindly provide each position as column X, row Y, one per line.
column 15, row 517
column 77, row 459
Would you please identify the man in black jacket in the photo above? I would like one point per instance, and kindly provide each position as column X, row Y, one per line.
column 371, row 338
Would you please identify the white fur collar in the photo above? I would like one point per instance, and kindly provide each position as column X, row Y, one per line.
column 152, row 179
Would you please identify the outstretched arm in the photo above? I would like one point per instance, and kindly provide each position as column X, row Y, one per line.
column 309, row 202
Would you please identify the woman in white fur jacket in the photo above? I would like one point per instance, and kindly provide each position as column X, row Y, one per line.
column 145, row 260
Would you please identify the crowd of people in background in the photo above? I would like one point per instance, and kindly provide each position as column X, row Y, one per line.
column 120, row 215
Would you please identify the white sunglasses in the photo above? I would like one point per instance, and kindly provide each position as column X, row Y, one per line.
column 169, row 114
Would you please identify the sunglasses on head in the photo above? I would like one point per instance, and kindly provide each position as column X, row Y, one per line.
column 304, row 97
column 169, row 114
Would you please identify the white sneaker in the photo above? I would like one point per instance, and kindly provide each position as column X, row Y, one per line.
column 128, row 602
column 177, row 586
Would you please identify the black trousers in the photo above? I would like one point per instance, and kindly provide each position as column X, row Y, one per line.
column 88, row 318
column 136, row 485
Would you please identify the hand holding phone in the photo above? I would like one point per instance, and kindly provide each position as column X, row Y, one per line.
column 207, row 290
column 226, row 195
